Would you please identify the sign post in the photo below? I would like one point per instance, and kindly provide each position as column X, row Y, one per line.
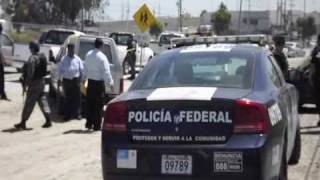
column 144, row 19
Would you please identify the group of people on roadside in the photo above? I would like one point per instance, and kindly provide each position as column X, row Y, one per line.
column 72, row 72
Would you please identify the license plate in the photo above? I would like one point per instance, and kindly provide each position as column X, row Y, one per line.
column 176, row 164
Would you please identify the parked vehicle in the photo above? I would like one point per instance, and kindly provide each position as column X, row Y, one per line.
column 6, row 43
column 295, row 49
column 144, row 54
column 7, row 49
column 209, row 111
column 50, row 43
column 83, row 44
column 163, row 43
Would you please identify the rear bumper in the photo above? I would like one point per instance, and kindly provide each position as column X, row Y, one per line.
column 133, row 177
column 256, row 162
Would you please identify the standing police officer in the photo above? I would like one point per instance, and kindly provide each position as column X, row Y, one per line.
column 33, row 75
column 71, row 72
column 3, row 94
column 316, row 76
column 280, row 57
column 131, row 55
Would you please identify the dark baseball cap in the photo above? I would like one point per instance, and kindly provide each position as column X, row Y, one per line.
column 279, row 40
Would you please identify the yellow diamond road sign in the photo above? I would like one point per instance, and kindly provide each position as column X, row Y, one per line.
column 144, row 18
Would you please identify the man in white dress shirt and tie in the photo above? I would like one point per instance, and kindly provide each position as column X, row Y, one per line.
column 97, row 70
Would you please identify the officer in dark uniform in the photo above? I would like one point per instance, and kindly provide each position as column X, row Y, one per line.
column 316, row 76
column 131, row 55
column 3, row 94
column 280, row 57
column 33, row 75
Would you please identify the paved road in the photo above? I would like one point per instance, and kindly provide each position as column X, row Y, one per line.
column 66, row 151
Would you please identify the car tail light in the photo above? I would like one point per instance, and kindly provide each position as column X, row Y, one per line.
column 115, row 118
column 121, row 85
column 251, row 117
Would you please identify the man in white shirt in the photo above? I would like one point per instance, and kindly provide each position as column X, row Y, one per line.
column 97, row 70
column 71, row 74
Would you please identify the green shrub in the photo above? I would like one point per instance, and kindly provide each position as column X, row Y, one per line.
column 24, row 37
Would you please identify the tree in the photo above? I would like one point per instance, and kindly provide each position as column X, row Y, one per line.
column 202, row 14
column 221, row 19
column 306, row 27
column 156, row 28
column 51, row 11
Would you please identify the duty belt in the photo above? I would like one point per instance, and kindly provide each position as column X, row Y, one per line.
column 131, row 50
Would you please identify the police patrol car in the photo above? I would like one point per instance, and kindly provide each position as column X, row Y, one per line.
column 209, row 111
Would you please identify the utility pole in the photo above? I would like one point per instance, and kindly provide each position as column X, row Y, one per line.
column 285, row 20
column 248, row 15
column 179, row 4
column 122, row 11
column 304, row 8
column 82, row 16
column 239, row 21
column 127, row 16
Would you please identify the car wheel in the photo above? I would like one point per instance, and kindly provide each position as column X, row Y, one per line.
column 126, row 67
column 283, row 174
column 295, row 156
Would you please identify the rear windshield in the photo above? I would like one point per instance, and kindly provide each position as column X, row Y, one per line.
column 57, row 37
column 86, row 46
column 121, row 39
column 221, row 69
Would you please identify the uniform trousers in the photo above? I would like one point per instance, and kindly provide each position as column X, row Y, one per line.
column 35, row 94
column 2, row 91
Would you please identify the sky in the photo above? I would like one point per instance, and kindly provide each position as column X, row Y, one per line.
column 117, row 8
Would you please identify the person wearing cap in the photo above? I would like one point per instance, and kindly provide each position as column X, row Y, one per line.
column 71, row 74
column 97, row 70
column 280, row 57
column 131, row 56
column 3, row 94
column 33, row 78
column 315, row 61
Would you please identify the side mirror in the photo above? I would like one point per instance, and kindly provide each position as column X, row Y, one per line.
column 294, row 76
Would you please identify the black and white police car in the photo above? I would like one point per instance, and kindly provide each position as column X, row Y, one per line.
column 211, row 111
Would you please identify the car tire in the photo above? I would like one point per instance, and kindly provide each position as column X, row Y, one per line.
column 283, row 174
column 296, row 152
column 125, row 67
